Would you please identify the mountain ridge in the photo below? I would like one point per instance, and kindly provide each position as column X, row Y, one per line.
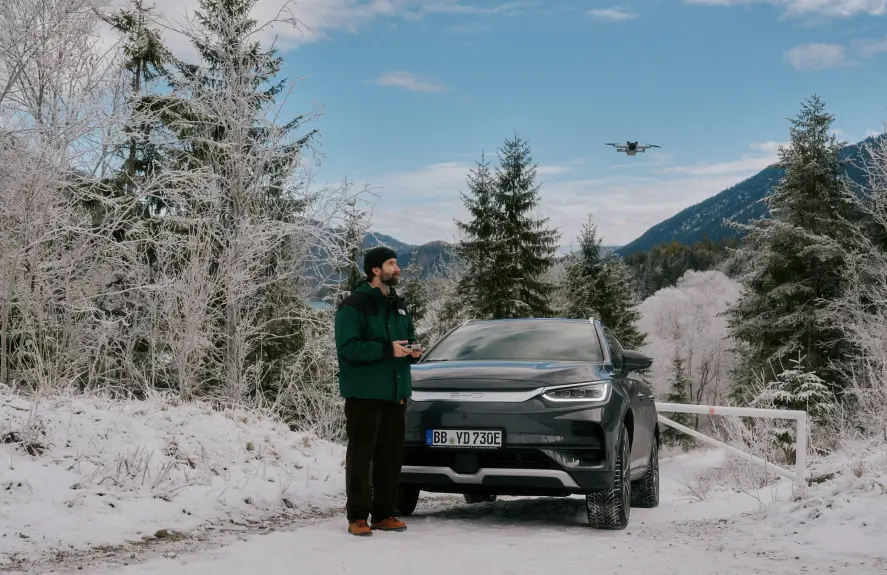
column 740, row 202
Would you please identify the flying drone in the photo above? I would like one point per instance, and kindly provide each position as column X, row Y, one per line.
column 632, row 148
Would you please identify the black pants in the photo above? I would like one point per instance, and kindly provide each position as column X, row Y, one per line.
column 375, row 430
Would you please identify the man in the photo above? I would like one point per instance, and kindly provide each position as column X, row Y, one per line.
column 372, row 328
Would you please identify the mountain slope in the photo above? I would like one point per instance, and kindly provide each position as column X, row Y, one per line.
column 740, row 203
column 429, row 255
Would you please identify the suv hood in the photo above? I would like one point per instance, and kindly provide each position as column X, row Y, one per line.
column 502, row 375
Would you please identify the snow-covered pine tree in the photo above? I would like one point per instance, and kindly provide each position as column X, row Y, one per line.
column 794, row 274
column 525, row 248
column 145, row 59
column 797, row 388
column 244, row 195
column 557, row 276
column 413, row 288
column 619, row 302
column 678, row 392
column 356, row 227
column 584, row 276
column 602, row 287
column 480, row 234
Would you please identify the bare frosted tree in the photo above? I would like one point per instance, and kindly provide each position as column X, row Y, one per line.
column 447, row 306
column 684, row 322
column 57, row 94
column 195, row 274
column 861, row 312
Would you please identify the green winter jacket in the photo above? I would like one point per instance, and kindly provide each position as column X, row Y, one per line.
column 366, row 323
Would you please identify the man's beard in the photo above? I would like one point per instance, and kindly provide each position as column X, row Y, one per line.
column 391, row 280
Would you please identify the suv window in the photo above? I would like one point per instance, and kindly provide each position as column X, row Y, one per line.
column 615, row 349
column 520, row 340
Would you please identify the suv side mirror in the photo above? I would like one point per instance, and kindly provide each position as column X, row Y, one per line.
column 635, row 361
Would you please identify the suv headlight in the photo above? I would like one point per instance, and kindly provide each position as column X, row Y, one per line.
column 593, row 392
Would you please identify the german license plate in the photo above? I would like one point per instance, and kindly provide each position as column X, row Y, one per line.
column 479, row 439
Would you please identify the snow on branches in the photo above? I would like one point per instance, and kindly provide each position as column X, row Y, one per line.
column 158, row 225
column 685, row 328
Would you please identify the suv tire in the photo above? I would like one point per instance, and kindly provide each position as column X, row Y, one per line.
column 610, row 508
column 645, row 491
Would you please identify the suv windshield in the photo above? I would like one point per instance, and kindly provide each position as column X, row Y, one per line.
column 530, row 340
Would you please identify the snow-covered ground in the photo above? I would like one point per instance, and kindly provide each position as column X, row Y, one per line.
column 82, row 472
column 700, row 528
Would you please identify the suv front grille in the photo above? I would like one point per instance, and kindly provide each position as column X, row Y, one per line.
column 472, row 461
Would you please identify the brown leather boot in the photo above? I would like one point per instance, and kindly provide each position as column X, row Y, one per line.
column 359, row 528
column 390, row 524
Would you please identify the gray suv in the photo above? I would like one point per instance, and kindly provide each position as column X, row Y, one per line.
column 533, row 407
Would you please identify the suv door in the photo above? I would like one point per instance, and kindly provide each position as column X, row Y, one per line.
column 639, row 399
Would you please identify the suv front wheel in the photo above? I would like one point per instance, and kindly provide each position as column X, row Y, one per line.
column 645, row 491
column 610, row 508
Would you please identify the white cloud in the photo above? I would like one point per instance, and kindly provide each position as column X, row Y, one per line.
column 611, row 14
column 837, row 8
column 506, row 8
column 746, row 165
column 771, row 148
column 817, row 56
column 318, row 18
column 409, row 81
column 796, row 8
column 869, row 47
column 420, row 206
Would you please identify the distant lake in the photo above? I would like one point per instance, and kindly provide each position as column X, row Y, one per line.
column 320, row 304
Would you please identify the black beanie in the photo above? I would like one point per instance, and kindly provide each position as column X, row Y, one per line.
column 375, row 257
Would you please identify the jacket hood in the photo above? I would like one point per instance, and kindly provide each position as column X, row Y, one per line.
column 365, row 287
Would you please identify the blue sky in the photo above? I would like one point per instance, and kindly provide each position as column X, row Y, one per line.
column 412, row 92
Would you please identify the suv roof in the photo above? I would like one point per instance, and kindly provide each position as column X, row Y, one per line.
column 527, row 319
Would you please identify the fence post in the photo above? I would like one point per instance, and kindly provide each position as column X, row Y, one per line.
column 801, row 452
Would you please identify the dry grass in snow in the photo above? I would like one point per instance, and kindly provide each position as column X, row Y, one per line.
column 78, row 472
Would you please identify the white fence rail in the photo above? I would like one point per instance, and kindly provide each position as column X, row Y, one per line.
column 799, row 476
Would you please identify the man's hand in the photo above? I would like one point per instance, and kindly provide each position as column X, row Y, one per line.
column 399, row 349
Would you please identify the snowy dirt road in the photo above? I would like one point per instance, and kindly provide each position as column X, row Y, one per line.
column 726, row 533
